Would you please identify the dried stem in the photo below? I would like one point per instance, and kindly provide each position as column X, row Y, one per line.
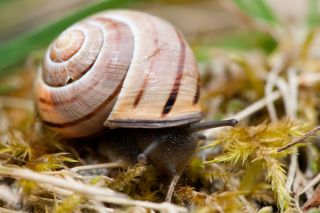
column 33, row 198
column 292, row 170
column 56, row 181
column 300, row 139
column 172, row 186
column 271, row 82
column 256, row 106
column 8, row 195
column 98, row 166
column 4, row 210
column 313, row 182
column 247, row 204
column 89, row 191
column 291, row 104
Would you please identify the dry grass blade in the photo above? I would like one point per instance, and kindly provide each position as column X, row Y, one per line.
column 80, row 188
column 92, row 192
column 300, row 139
column 313, row 182
column 8, row 195
column 3, row 210
column 94, row 206
column 98, row 166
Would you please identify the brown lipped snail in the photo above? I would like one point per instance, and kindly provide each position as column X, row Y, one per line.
column 130, row 72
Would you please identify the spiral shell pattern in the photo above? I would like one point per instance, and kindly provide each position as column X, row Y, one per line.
column 118, row 69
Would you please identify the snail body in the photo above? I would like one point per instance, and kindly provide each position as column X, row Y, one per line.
column 122, row 69
column 169, row 149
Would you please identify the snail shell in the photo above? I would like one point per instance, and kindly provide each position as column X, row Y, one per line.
column 118, row 69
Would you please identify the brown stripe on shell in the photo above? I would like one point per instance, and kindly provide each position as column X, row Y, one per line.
column 88, row 116
column 197, row 94
column 152, row 60
column 44, row 101
column 140, row 93
column 145, row 82
column 175, row 89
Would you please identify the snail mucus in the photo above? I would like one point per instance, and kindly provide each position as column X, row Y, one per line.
column 132, row 75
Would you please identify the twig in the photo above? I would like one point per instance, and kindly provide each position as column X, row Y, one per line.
column 247, row 204
column 8, row 156
column 256, row 106
column 76, row 175
column 289, row 92
column 172, row 186
column 4, row 210
column 283, row 88
column 293, row 90
column 89, row 191
column 313, row 182
column 50, row 201
column 300, row 139
column 292, row 171
column 55, row 190
column 8, row 195
column 100, row 206
column 56, row 181
column 299, row 184
column 98, row 166
column 309, row 79
column 291, row 104
column 271, row 81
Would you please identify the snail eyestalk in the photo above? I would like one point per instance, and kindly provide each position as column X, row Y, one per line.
column 142, row 157
column 196, row 127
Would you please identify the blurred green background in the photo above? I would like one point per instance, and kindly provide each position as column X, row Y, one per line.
column 28, row 26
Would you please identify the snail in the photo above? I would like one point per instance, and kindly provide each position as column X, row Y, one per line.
column 130, row 74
